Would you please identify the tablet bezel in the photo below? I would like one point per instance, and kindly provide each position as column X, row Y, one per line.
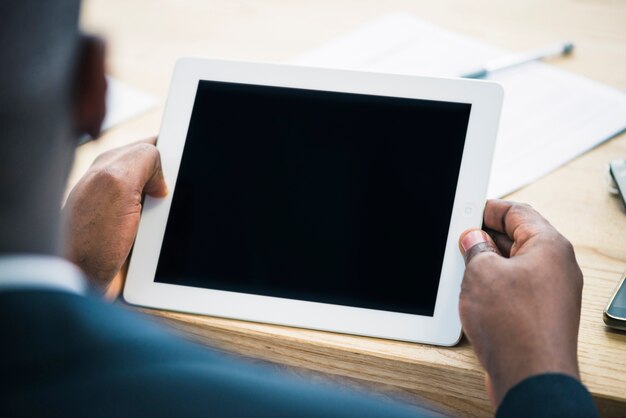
column 444, row 327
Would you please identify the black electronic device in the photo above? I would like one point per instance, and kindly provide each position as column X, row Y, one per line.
column 617, row 169
column 615, row 312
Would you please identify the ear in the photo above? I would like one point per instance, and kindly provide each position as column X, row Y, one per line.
column 90, row 87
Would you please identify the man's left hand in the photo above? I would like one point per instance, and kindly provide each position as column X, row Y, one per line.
column 102, row 211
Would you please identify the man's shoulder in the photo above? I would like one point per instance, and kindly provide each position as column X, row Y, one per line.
column 77, row 356
column 39, row 326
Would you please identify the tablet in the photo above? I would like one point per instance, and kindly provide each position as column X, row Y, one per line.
column 316, row 198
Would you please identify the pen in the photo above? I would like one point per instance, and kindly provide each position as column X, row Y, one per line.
column 517, row 59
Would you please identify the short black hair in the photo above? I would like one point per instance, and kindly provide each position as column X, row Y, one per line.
column 38, row 50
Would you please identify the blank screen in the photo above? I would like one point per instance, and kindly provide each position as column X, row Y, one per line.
column 320, row 196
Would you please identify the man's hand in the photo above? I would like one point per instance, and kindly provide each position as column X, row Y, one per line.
column 520, row 297
column 102, row 211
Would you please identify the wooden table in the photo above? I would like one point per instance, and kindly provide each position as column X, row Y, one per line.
column 146, row 37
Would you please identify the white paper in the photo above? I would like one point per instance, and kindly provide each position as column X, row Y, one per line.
column 124, row 102
column 549, row 115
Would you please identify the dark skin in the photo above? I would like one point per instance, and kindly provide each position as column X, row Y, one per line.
column 520, row 297
column 91, row 86
column 103, row 209
column 521, row 293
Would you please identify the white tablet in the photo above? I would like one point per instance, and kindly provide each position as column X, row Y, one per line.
column 316, row 198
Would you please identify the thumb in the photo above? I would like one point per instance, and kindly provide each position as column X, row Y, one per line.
column 156, row 186
column 146, row 159
column 476, row 241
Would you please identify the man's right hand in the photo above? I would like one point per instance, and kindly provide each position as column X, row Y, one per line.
column 520, row 297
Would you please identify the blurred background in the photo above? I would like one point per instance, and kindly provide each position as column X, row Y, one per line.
column 145, row 38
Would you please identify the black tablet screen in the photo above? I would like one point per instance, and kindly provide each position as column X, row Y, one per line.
column 328, row 197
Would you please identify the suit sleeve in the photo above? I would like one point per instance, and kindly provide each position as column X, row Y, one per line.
column 548, row 396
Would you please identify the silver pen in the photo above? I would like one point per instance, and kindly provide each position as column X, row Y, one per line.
column 518, row 59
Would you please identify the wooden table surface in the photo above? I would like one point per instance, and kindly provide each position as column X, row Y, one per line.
column 146, row 37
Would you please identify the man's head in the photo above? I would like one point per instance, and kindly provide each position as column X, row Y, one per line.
column 52, row 89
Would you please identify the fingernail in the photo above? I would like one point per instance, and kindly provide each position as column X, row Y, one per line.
column 471, row 239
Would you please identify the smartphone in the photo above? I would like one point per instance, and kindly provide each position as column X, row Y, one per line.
column 617, row 168
column 615, row 312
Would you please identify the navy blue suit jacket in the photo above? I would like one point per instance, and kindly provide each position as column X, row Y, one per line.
column 66, row 355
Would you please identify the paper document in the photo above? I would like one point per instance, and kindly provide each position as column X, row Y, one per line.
column 549, row 115
column 124, row 102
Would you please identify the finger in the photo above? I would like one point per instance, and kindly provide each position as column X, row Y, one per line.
column 491, row 394
column 107, row 157
column 151, row 140
column 146, row 160
column 518, row 221
column 502, row 241
column 473, row 242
